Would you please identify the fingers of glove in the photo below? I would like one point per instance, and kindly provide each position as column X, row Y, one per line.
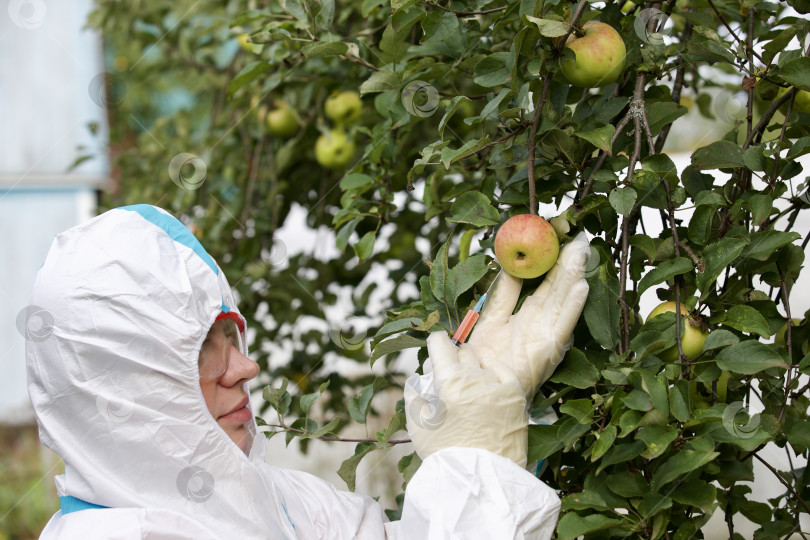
column 501, row 299
column 570, row 310
column 569, row 268
column 444, row 356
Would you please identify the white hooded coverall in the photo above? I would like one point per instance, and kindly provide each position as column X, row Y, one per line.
column 115, row 387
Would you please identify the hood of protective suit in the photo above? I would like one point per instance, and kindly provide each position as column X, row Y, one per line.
column 115, row 381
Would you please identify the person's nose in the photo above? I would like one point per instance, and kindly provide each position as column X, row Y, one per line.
column 240, row 368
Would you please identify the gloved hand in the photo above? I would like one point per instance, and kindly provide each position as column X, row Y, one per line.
column 461, row 404
column 532, row 342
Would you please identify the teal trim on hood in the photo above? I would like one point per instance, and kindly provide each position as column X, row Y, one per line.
column 175, row 229
column 72, row 504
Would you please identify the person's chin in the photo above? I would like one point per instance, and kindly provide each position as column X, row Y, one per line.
column 238, row 434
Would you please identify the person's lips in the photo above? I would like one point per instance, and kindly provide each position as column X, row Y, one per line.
column 239, row 414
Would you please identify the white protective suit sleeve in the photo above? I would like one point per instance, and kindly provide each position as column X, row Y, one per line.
column 114, row 381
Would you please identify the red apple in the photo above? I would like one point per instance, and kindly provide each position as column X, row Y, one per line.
column 599, row 56
column 526, row 246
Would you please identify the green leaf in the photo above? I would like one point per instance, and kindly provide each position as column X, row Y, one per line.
column 603, row 443
column 657, row 439
column 580, row 409
column 359, row 405
column 492, row 70
column 761, row 205
column 700, row 225
column 718, row 155
column 325, row 48
column 746, row 319
column 664, row 271
column 799, row 148
column 380, row 81
column 249, row 73
column 307, row 400
column 365, row 246
column 621, row 453
column 332, row 427
column 686, row 460
column 543, row 441
column 720, row 338
column 695, row 492
column 452, row 107
column 583, row 500
column 438, row 271
column 679, row 401
column 395, row 344
column 278, row 398
column 602, row 309
column 764, row 243
column 348, row 469
column 463, row 276
column 749, row 357
column 717, row 257
column 601, row 138
column 549, row 27
column 623, row 199
column 355, row 181
column 779, row 43
column 572, row 525
column 576, row 370
column 475, row 208
column 660, row 113
column 662, row 165
column 797, row 73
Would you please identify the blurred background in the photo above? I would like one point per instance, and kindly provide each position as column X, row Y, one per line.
column 64, row 89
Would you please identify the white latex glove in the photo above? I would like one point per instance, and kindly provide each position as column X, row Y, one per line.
column 461, row 404
column 532, row 342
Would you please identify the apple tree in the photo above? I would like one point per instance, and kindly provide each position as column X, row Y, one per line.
column 466, row 118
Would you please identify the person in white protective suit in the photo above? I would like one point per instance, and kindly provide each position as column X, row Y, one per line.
column 141, row 387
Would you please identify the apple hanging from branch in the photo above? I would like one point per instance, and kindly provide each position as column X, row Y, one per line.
column 282, row 121
column 599, row 53
column 526, row 246
column 692, row 339
column 334, row 150
column 343, row 108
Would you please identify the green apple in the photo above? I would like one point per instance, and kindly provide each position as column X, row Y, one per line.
column 526, row 246
column 692, row 339
column 343, row 108
column 599, row 56
column 282, row 121
column 801, row 102
column 244, row 42
column 334, row 150
column 781, row 335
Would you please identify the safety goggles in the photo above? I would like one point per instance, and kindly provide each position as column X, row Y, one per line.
column 227, row 333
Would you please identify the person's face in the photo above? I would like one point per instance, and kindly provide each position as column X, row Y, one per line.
column 223, row 372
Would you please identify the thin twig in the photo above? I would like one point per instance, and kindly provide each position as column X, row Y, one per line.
column 784, row 482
